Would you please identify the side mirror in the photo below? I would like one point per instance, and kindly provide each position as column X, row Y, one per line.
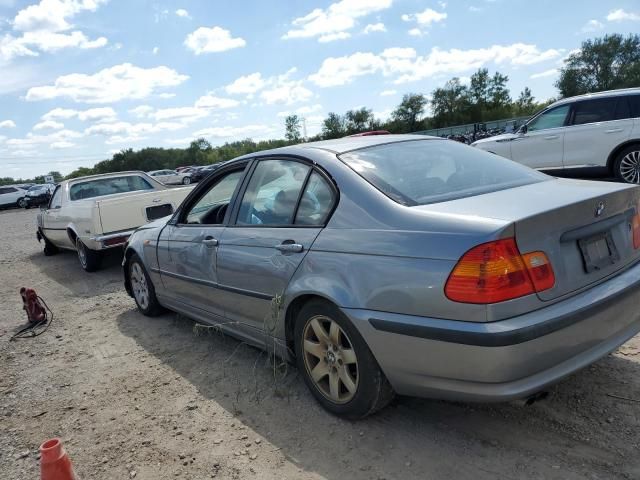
column 523, row 129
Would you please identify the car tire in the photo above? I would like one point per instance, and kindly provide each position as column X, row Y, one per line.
column 90, row 260
column 186, row 181
column 336, row 363
column 142, row 288
column 627, row 164
column 22, row 202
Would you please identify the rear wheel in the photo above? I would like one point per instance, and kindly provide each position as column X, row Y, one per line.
column 336, row 363
column 627, row 164
column 186, row 180
column 143, row 291
column 89, row 259
column 22, row 202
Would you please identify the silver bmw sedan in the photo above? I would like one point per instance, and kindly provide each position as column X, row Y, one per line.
column 400, row 264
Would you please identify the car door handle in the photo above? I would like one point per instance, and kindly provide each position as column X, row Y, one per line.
column 614, row 130
column 290, row 247
column 550, row 137
column 210, row 241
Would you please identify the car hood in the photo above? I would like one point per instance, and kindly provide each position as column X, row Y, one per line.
column 496, row 138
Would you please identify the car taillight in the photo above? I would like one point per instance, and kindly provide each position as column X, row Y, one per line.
column 635, row 229
column 496, row 271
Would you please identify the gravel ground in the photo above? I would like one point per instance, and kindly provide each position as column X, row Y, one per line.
column 134, row 397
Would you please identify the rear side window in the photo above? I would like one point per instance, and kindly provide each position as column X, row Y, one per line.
column 429, row 171
column 593, row 111
column 316, row 202
column 634, row 104
column 108, row 186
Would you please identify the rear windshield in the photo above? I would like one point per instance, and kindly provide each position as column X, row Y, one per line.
column 108, row 186
column 429, row 171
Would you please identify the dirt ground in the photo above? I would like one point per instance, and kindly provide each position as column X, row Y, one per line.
column 134, row 397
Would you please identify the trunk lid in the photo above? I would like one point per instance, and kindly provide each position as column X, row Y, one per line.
column 584, row 227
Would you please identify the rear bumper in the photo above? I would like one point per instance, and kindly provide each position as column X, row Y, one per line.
column 507, row 359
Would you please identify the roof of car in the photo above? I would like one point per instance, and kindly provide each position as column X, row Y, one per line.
column 342, row 145
column 606, row 93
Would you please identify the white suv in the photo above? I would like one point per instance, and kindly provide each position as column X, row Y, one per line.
column 599, row 130
column 13, row 195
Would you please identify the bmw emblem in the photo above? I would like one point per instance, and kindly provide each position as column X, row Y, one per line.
column 599, row 209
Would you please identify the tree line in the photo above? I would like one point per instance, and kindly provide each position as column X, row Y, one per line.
column 605, row 63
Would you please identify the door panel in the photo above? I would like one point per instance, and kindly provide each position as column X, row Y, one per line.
column 255, row 264
column 539, row 149
column 187, row 263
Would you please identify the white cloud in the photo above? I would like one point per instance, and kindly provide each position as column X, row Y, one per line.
column 285, row 91
column 231, row 132
column 546, row 73
column 406, row 66
column 185, row 114
column 211, row 101
column 48, row 124
column 415, row 32
column 7, row 124
column 181, row 12
column 473, row 8
column 387, row 93
column 331, row 37
column 338, row 18
column 211, row 40
column 113, row 84
column 374, row 27
column 247, row 84
column 32, row 140
column 133, row 130
column 621, row 15
column 62, row 144
column 306, row 110
column 44, row 28
column 425, row 18
column 141, row 111
column 155, row 50
column 92, row 114
column 592, row 26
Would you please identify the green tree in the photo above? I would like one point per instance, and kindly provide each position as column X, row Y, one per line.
column 606, row 63
column 408, row 114
column 292, row 128
column 478, row 93
column 450, row 104
column 525, row 105
column 360, row 120
column 333, row 126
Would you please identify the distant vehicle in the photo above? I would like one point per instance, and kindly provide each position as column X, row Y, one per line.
column 13, row 195
column 38, row 195
column 98, row 212
column 599, row 132
column 202, row 172
column 401, row 263
column 181, row 169
column 171, row 177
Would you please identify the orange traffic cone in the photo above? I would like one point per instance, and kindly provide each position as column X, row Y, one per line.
column 54, row 461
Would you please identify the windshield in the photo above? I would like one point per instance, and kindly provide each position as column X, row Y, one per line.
column 428, row 171
column 108, row 186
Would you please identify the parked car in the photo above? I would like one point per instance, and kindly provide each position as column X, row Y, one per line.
column 13, row 196
column 400, row 263
column 38, row 195
column 202, row 172
column 171, row 177
column 95, row 213
column 599, row 132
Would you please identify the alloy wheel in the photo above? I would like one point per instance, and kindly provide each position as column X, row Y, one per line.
column 82, row 253
column 139, row 286
column 630, row 167
column 330, row 359
column 22, row 203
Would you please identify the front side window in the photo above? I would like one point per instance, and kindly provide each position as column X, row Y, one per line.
column 272, row 195
column 593, row 111
column 210, row 209
column 108, row 186
column 428, row 171
column 553, row 118
column 56, row 199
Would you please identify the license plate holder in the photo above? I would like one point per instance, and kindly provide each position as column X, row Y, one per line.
column 598, row 251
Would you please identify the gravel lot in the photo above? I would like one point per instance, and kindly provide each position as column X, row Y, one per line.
column 147, row 398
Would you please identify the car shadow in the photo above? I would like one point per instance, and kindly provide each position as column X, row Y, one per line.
column 412, row 438
column 64, row 269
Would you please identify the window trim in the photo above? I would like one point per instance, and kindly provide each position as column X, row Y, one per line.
column 233, row 223
column 178, row 217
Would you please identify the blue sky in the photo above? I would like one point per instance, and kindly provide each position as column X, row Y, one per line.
column 82, row 79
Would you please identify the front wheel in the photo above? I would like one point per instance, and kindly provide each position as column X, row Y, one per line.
column 336, row 363
column 89, row 259
column 22, row 203
column 627, row 164
column 143, row 291
column 186, row 180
